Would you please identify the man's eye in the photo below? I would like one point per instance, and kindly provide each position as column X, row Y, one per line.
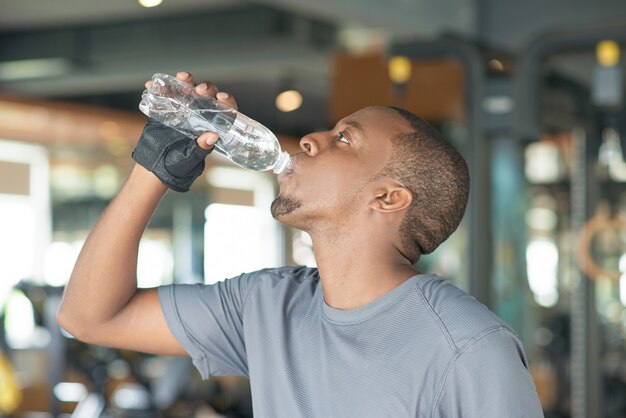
column 342, row 137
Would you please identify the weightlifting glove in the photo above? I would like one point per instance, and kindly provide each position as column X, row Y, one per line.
column 173, row 157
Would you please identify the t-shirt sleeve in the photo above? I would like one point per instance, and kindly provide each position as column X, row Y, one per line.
column 207, row 320
column 489, row 379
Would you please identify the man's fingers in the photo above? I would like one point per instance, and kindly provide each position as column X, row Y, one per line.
column 207, row 89
column 227, row 99
column 181, row 75
column 207, row 140
column 186, row 77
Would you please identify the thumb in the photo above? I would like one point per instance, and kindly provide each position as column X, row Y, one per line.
column 207, row 140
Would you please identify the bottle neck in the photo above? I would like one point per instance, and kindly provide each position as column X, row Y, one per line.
column 283, row 162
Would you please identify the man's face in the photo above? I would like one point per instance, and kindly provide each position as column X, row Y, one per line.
column 330, row 175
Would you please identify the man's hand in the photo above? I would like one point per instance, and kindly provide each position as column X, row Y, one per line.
column 170, row 155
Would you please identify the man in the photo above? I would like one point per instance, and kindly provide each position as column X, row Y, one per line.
column 364, row 334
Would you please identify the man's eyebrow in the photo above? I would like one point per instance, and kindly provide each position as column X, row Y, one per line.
column 356, row 125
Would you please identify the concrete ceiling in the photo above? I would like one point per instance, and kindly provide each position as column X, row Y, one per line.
column 102, row 51
column 103, row 55
column 31, row 14
column 399, row 17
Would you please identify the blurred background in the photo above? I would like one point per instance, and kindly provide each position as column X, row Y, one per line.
column 531, row 92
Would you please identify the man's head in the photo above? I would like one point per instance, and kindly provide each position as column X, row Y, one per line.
column 438, row 178
column 379, row 167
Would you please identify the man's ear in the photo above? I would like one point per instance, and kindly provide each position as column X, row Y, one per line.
column 390, row 197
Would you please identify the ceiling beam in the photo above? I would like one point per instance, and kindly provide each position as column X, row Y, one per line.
column 244, row 43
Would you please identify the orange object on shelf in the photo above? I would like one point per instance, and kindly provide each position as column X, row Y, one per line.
column 435, row 90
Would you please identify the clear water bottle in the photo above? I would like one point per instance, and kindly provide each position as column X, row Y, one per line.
column 242, row 140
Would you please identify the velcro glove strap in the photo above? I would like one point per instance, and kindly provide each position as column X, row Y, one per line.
column 173, row 157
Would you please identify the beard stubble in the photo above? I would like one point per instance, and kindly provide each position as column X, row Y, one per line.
column 283, row 205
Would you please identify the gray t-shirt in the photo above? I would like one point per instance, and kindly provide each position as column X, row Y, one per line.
column 425, row 349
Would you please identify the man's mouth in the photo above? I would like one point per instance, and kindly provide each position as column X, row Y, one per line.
column 290, row 169
column 287, row 173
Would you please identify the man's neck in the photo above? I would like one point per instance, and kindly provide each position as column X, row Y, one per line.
column 356, row 270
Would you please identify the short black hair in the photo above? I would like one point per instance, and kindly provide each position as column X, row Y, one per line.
column 438, row 178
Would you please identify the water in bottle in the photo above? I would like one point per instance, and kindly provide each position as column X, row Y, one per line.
column 242, row 140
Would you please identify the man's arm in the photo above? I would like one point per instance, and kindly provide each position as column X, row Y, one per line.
column 102, row 304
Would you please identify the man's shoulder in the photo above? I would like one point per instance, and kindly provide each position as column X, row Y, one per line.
column 463, row 318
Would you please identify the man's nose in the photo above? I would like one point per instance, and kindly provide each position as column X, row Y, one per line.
column 310, row 145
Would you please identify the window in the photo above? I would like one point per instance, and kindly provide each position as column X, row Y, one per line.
column 240, row 233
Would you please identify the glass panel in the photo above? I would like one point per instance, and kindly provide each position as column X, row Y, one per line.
column 240, row 233
column 24, row 214
column 575, row 275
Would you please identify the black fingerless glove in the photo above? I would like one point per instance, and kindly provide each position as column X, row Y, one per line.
column 173, row 157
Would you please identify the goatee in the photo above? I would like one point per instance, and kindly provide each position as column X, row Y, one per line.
column 284, row 205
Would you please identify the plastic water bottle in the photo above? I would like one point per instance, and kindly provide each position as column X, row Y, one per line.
column 242, row 140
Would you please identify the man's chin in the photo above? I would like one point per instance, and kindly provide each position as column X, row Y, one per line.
column 282, row 206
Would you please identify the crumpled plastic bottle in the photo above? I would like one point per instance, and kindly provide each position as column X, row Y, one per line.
column 242, row 140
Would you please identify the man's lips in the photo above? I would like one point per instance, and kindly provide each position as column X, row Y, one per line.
column 289, row 171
